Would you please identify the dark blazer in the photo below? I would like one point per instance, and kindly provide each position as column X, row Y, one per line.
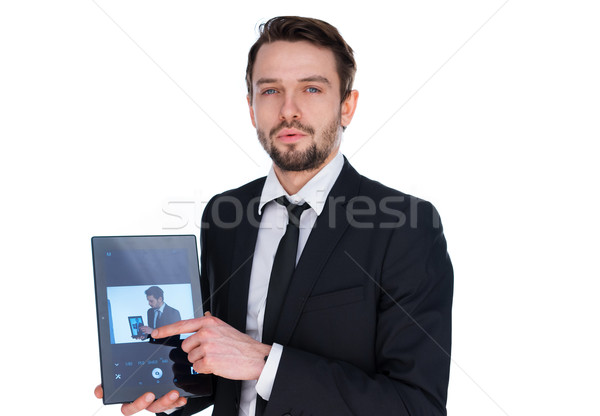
column 169, row 316
column 366, row 323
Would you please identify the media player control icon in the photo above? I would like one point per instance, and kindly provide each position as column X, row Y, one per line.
column 157, row 373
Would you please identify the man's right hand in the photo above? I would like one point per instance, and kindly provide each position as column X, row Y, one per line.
column 146, row 329
column 169, row 401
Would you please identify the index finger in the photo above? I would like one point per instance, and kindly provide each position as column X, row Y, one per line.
column 178, row 328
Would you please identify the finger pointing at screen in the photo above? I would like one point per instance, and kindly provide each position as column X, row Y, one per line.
column 218, row 348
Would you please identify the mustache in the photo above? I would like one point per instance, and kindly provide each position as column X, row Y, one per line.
column 292, row 125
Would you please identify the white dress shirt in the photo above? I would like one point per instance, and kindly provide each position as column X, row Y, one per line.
column 272, row 227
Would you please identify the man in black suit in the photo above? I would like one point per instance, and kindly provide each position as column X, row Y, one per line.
column 363, row 325
column 159, row 314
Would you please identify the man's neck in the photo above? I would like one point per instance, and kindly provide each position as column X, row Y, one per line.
column 292, row 181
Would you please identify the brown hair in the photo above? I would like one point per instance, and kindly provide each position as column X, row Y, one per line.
column 315, row 31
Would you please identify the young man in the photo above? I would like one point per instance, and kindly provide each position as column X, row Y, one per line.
column 159, row 314
column 362, row 325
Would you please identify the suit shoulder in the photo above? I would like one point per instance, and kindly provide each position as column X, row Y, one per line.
column 418, row 212
column 375, row 188
column 171, row 310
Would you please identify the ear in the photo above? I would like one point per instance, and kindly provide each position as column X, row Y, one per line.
column 348, row 108
column 251, row 110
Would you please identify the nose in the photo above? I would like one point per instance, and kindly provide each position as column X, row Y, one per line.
column 289, row 109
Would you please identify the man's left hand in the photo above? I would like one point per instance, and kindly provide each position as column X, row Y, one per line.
column 218, row 348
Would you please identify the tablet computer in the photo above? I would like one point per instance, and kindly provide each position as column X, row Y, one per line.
column 135, row 324
column 143, row 282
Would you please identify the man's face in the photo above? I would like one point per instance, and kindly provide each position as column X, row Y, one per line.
column 153, row 302
column 295, row 104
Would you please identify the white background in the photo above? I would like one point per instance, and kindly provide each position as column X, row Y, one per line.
column 113, row 112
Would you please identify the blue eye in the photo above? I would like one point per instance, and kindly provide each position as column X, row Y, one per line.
column 312, row 90
column 270, row 91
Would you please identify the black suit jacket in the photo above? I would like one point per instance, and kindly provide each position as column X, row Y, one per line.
column 366, row 322
column 169, row 316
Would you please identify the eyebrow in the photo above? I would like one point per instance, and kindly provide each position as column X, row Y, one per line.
column 316, row 78
column 267, row 81
column 312, row 78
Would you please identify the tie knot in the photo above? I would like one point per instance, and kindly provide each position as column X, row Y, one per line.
column 294, row 211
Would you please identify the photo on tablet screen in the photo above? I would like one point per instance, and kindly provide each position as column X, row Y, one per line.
column 131, row 306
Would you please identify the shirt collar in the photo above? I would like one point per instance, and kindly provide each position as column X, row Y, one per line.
column 315, row 191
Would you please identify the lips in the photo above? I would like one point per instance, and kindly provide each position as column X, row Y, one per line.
column 290, row 135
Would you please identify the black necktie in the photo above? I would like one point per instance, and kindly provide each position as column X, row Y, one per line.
column 283, row 268
column 281, row 275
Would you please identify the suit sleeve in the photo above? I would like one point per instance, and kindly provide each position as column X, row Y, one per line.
column 197, row 404
column 412, row 342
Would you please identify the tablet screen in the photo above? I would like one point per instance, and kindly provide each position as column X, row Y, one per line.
column 142, row 283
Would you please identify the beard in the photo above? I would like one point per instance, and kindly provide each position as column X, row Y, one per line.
column 296, row 160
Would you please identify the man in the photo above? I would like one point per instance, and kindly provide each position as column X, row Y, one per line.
column 159, row 314
column 363, row 325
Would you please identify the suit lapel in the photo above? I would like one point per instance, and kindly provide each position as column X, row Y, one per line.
column 323, row 239
column 238, row 283
column 243, row 253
